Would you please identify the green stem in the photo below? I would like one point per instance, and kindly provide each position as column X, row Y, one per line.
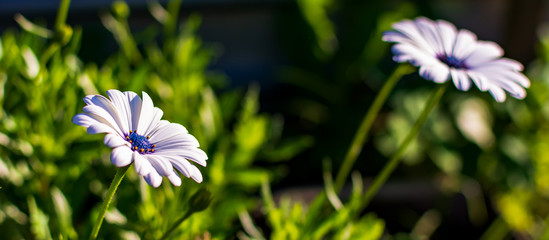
column 200, row 200
column 365, row 126
column 170, row 26
column 176, row 224
column 108, row 199
column 315, row 209
column 62, row 14
column 394, row 161
column 496, row 231
column 173, row 15
column 53, row 48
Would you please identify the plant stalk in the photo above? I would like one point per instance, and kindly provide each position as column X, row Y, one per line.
column 395, row 160
column 364, row 129
column 62, row 14
column 108, row 199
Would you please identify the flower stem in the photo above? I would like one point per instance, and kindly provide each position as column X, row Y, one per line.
column 108, row 199
column 497, row 230
column 198, row 202
column 176, row 224
column 62, row 14
column 394, row 161
column 365, row 126
column 315, row 209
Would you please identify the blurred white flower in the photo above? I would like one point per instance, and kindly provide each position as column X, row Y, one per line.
column 475, row 122
column 31, row 61
column 442, row 52
column 136, row 134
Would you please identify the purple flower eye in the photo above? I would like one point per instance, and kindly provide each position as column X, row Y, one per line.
column 452, row 61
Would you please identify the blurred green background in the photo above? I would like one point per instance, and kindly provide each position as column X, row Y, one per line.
column 274, row 92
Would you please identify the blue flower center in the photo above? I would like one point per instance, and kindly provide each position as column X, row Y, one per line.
column 452, row 61
column 140, row 143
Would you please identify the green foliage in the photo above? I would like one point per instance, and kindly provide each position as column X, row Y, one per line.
column 292, row 220
column 52, row 173
column 492, row 155
column 523, row 198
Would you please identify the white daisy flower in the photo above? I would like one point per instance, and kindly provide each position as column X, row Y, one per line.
column 136, row 134
column 442, row 52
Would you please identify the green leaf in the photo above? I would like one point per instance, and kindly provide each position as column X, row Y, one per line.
column 63, row 212
column 368, row 227
column 252, row 133
column 289, row 148
column 316, row 14
column 1, row 49
column 210, row 114
column 249, row 177
column 38, row 220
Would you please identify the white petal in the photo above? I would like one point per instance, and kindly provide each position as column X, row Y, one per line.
column 177, row 163
column 110, row 108
column 392, row 36
column 412, row 54
column 154, row 122
column 484, row 52
column 146, row 115
column 102, row 115
column 135, row 108
column 436, row 71
column 167, row 131
column 503, row 79
column 460, row 78
column 196, row 155
column 479, row 79
column 196, row 175
column 175, row 179
column 122, row 106
column 521, row 79
column 510, row 63
column 162, row 165
column 428, row 30
column 114, row 140
column 180, row 140
column 84, row 120
column 511, row 87
column 519, row 93
column 440, row 72
column 447, row 33
column 410, row 30
column 96, row 100
column 88, row 119
column 513, row 76
column 161, row 124
column 497, row 93
column 121, row 156
column 517, row 77
column 142, row 165
column 153, row 179
column 498, row 64
column 464, row 45
column 188, row 169
column 508, row 80
column 100, row 128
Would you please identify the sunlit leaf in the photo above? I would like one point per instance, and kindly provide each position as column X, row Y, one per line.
column 64, row 213
column 39, row 221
